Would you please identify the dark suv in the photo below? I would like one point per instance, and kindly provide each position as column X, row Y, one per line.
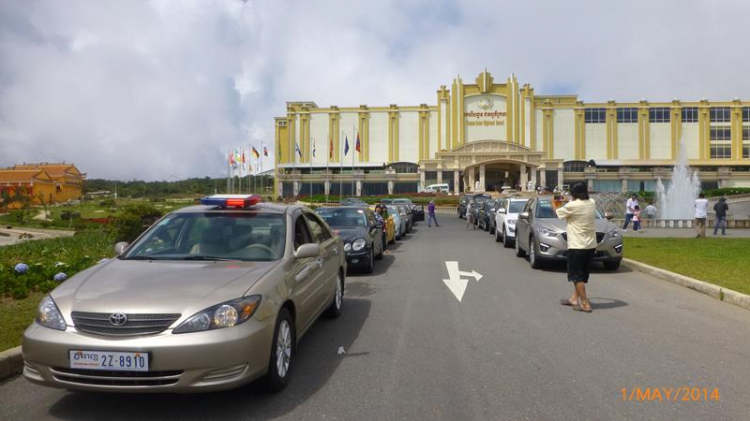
column 464, row 200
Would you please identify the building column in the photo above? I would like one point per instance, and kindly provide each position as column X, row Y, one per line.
column 295, row 189
column 524, row 178
column 359, row 188
column 482, row 186
column 543, row 177
column 390, row 187
column 422, row 177
column 560, row 180
column 439, row 176
column 624, row 186
column 456, row 181
column 533, row 176
column 327, row 187
column 590, row 184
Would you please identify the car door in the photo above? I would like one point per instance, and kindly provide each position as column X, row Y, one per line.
column 305, row 274
column 327, row 261
column 375, row 233
column 523, row 227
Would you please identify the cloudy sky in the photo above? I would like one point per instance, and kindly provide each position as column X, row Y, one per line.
column 162, row 89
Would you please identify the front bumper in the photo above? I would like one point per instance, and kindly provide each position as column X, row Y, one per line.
column 182, row 363
column 357, row 258
column 556, row 248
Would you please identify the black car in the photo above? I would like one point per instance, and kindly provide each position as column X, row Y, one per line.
column 477, row 203
column 417, row 211
column 464, row 200
column 361, row 232
column 353, row 201
column 486, row 218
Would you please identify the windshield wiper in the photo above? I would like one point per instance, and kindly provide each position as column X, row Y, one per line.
column 206, row 258
column 141, row 258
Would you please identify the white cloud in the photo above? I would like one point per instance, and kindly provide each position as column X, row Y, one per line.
column 153, row 89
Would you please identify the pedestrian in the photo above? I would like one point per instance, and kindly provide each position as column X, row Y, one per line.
column 636, row 218
column 431, row 213
column 701, row 212
column 469, row 215
column 629, row 208
column 721, row 209
column 382, row 217
column 650, row 211
column 580, row 214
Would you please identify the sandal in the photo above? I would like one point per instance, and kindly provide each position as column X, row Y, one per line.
column 566, row 302
column 581, row 309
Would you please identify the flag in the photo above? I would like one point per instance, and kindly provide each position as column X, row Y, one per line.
column 313, row 148
column 356, row 147
column 232, row 162
column 243, row 160
column 255, row 153
column 346, row 145
column 330, row 149
column 265, row 151
column 296, row 148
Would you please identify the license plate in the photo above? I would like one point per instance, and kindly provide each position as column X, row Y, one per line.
column 107, row 360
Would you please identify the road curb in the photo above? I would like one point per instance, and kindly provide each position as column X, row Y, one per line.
column 722, row 294
column 11, row 362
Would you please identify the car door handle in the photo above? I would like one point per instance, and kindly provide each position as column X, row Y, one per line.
column 335, row 250
column 319, row 262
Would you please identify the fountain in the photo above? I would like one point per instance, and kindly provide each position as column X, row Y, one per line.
column 677, row 201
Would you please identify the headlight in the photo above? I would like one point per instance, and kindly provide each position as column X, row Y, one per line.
column 221, row 315
column 347, row 247
column 359, row 244
column 49, row 315
column 545, row 232
column 614, row 233
column 511, row 221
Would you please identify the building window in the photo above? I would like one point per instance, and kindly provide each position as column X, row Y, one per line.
column 746, row 114
column 745, row 133
column 720, row 115
column 721, row 151
column 595, row 115
column 746, row 151
column 721, row 133
column 658, row 115
column 627, row 115
column 690, row 115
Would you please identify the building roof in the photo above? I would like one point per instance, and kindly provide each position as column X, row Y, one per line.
column 23, row 176
column 53, row 169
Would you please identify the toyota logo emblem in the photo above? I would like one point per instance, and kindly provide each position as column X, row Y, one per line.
column 118, row 319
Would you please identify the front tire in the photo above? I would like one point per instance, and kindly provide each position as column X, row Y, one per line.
column 507, row 242
column 282, row 350
column 370, row 262
column 497, row 236
column 534, row 260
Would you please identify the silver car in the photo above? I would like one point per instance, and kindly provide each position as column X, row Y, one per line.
column 210, row 297
column 541, row 235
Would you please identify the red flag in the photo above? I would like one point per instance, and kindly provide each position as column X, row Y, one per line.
column 330, row 149
column 356, row 147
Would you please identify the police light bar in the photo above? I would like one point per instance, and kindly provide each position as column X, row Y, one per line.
column 234, row 200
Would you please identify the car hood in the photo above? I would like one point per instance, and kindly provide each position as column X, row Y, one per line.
column 138, row 286
column 560, row 225
column 349, row 234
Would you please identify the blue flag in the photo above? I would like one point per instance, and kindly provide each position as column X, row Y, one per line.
column 346, row 145
column 313, row 147
column 299, row 152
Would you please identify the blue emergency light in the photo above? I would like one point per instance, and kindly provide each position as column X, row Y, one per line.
column 233, row 200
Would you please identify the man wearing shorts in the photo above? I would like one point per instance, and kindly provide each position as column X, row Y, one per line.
column 580, row 214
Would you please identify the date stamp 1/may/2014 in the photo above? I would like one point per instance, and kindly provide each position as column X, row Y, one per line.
column 670, row 394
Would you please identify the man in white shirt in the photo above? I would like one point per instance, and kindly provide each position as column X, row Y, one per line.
column 701, row 212
column 629, row 209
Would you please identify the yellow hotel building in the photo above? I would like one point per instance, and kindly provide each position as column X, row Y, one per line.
column 484, row 135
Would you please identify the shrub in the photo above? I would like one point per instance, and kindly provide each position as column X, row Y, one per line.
column 133, row 220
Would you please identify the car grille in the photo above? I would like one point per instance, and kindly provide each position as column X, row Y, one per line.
column 599, row 237
column 137, row 324
column 116, row 378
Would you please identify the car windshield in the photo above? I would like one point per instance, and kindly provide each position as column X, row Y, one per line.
column 546, row 208
column 402, row 201
column 343, row 217
column 245, row 236
column 517, row 207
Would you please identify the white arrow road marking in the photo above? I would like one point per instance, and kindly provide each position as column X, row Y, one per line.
column 455, row 283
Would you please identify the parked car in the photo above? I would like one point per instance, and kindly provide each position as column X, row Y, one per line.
column 435, row 188
column 209, row 298
column 353, row 201
column 541, row 235
column 505, row 219
column 477, row 202
column 463, row 201
column 398, row 219
column 416, row 210
column 403, row 210
column 486, row 215
column 361, row 232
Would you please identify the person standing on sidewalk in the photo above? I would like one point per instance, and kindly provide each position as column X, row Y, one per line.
column 469, row 215
column 580, row 214
column 701, row 211
column 431, row 213
column 636, row 218
column 629, row 208
column 721, row 209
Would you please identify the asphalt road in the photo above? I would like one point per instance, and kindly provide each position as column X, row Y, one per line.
column 508, row 350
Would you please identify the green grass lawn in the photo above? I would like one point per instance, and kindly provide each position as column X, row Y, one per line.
column 721, row 261
column 15, row 317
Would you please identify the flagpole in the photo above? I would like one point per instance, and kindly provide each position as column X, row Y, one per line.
column 341, row 170
column 263, row 150
column 229, row 168
column 327, row 179
column 354, row 152
column 312, row 155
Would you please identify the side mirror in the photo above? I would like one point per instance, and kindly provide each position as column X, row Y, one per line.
column 524, row 216
column 120, row 247
column 608, row 215
column 307, row 250
column 502, row 211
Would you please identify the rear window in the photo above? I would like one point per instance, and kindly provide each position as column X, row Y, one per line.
column 343, row 217
column 246, row 236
